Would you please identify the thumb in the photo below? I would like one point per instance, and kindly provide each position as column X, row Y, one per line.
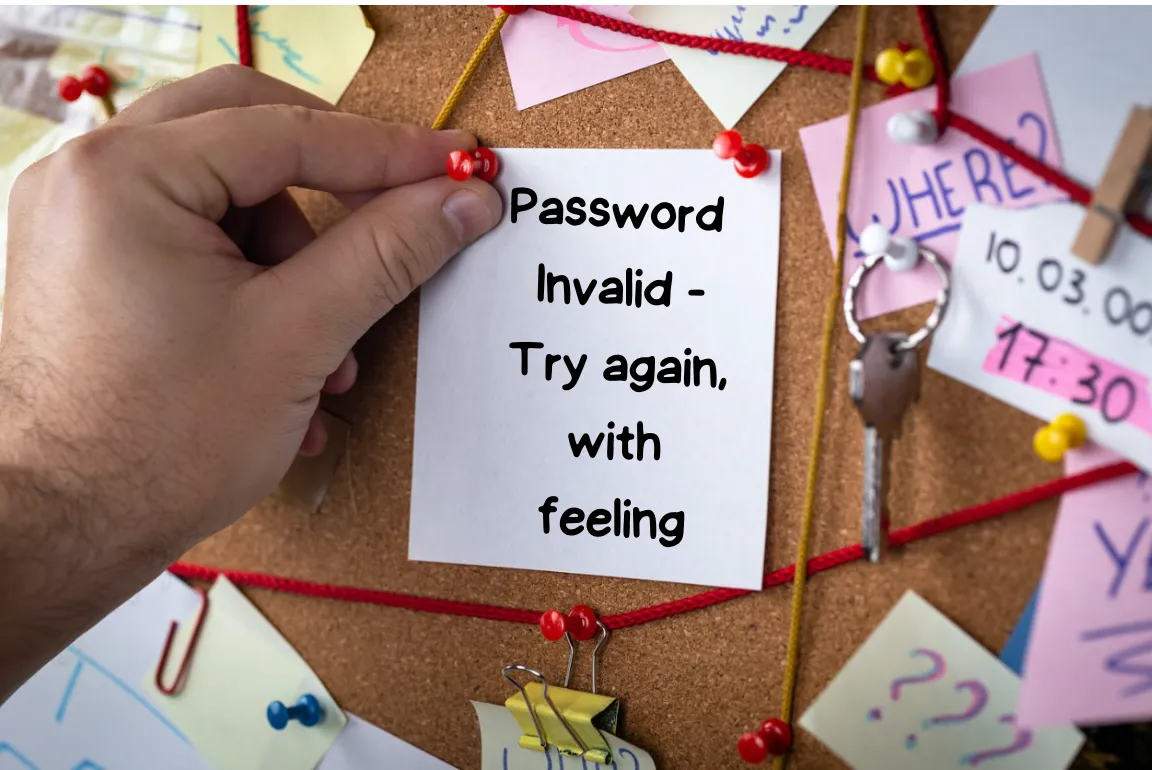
column 349, row 277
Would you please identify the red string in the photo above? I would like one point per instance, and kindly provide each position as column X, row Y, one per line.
column 797, row 58
column 243, row 36
column 945, row 117
column 935, row 48
column 699, row 601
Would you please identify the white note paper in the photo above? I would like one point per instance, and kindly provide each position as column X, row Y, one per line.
column 492, row 444
column 364, row 746
column 730, row 84
column 1074, row 44
column 500, row 746
column 241, row 653
column 86, row 710
column 1047, row 332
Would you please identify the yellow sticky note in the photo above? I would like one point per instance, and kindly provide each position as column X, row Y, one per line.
column 240, row 665
column 317, row 48
column 921, row 693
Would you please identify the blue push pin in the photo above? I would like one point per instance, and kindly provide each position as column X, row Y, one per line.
column 307, row 712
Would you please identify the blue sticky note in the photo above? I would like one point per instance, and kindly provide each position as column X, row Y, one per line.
column 1017, row 644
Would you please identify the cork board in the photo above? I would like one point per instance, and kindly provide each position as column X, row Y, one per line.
column 691, row 684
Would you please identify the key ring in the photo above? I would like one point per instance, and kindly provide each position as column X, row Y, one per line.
column 935, row 317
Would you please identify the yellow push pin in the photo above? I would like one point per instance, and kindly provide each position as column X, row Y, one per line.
column 912, row 68
column 1065, row 432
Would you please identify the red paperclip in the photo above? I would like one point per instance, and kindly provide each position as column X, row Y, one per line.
column 187, row 655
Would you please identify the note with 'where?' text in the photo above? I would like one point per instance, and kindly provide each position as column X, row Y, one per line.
column 922, row 192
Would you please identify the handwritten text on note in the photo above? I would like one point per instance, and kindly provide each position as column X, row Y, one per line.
column 1092, row 634
column 1080, row 335
column 923, row 192
column 922, row 693
column 729, row 85
column 1029, row 356
column 549, row 56
column 500, row 747
column 292, row 43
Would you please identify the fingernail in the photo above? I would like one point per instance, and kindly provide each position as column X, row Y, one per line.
column 472, row 213
column 461, row 138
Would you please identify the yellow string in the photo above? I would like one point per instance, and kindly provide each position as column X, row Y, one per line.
column 823, row 384
column 469, row 71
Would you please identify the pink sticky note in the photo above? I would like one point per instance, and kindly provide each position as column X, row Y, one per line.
column 549, row 56
column 1029, row 356
column 920, row 191
column 1089, row 659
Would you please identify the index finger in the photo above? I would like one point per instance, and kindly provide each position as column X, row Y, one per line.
column 227, row 86
column 243, row 156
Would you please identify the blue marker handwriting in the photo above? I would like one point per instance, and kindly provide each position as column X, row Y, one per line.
column 635, row 764
column 1124, row 548
column 85, row 662
column 736, row 20
column 925, row 202
column 1132, row 661
column 10, row 750
column 292, row 58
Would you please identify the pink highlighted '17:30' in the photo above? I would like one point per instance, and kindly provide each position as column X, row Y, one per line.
column 1056, row 366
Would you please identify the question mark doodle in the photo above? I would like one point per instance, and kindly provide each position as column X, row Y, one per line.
column 938, row 670
column 1021, row 741
column 979, row 701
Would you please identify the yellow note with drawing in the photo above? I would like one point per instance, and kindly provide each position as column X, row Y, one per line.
column 317, row 48
column 240, row 665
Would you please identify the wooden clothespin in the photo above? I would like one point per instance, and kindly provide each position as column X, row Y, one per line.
column 569, row 720
column 1124, row 188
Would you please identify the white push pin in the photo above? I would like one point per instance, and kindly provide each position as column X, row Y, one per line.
column 900, row 254
column 915, row 127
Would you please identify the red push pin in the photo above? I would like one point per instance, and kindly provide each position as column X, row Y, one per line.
column 94, row 80
column 582, row 622
column 553, row 625
column 777, row 735
column 749, row 160
column 752, row 748
column 773, row 739
column 482, row 162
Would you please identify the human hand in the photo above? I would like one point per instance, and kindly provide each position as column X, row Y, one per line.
column 145, row 364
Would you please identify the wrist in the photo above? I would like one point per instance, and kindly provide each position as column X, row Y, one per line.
column 71, row 550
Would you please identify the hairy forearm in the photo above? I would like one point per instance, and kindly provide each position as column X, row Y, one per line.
column 69, row 552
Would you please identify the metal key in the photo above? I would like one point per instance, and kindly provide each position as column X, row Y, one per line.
column 883, row 381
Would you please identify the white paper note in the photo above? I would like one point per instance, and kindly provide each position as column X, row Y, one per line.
column 496, row 441
column 85, row 710
column 1074, row 44
column 1047, row 332
column 241, row 664
column 730, row 84
column 364, row 746
column 920, row 693
column 500, row 746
